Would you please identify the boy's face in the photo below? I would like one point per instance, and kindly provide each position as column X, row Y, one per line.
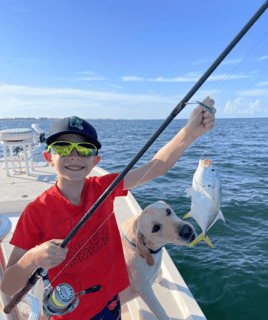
column 73, row 167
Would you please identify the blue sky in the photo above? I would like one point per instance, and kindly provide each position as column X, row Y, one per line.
column 129, row 59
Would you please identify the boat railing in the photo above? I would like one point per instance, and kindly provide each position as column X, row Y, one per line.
column 29, row 299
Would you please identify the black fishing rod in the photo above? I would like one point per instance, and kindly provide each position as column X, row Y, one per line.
column 181, row 105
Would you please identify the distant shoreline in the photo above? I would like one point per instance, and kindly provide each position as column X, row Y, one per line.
column 28, row 118
column 45, row 118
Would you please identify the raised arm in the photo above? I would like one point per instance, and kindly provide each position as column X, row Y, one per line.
column 200, row 122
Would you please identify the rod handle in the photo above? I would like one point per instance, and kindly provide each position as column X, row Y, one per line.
column 19, row 296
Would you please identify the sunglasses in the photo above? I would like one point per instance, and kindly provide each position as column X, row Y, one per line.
column 64, row 148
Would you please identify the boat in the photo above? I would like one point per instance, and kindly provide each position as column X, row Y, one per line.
column 22, row 186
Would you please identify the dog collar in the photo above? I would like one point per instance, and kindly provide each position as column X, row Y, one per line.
column 134, row 245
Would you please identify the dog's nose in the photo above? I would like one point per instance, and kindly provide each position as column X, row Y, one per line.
column 186, row 232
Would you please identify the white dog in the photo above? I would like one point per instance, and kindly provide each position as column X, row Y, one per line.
column 143, row 237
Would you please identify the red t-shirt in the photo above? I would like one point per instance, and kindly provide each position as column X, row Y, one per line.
column 95, row 255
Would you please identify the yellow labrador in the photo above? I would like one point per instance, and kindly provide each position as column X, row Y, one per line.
column 143, row 237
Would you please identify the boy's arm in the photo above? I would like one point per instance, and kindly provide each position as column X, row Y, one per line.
column 19, row 269
column 22, row 263
column 199, row 123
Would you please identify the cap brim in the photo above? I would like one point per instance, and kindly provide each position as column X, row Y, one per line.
column 88, row 138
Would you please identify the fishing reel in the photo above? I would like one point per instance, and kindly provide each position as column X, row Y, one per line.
column 62, row 299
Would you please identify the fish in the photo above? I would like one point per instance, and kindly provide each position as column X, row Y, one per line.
column 206, row 198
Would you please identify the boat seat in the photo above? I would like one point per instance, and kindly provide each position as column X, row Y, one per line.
column 17, row 138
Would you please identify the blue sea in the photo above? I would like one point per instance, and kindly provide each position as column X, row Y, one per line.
column 231, row 281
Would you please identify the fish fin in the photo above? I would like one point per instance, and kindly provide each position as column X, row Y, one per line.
column 220, row 216
column 189, row 192
column 187, row 215
column 200, row 238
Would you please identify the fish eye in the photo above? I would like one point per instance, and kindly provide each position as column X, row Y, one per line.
column 156, row 228
column 212, row 170
column 168, row 212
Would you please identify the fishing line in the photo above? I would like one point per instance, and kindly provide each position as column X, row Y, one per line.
column 121, row 201
column 181, row 105
column 225, row 78
column 222, row 82
column 228, row 75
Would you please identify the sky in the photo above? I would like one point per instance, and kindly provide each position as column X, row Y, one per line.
column 129, row 59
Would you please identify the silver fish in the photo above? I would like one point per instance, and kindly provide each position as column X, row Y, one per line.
column 206, row 198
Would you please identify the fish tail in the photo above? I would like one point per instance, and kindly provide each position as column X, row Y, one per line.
column 200, row 238
column 187, row 215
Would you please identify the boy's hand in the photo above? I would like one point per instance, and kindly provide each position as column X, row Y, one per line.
column 49, row 254
column 200, row 120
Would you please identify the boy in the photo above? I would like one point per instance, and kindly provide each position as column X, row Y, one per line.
column 94, row 256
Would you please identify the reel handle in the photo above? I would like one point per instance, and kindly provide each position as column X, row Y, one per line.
column 19, row 296
column 92, row 289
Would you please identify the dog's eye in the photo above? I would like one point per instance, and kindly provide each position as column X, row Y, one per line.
column 156, row 228
column 168, row 211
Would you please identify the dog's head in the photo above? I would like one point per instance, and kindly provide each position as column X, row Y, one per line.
column 158, row 225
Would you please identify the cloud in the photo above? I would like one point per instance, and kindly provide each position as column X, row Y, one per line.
column 226, row 62
column 91, row 79
column 25, row 101
column 131, row 78
column 199, row 62
column 115, row 86
column 27, row 94
column 254, row 93
column 18, row 9
column 91, row 76
column 191, row 77
column 196, row 78
column 232, row 61
column 263, row 58
column 242, row 106
column 262, row 84
column 85, row 72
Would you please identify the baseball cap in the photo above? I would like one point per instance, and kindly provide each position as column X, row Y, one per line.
column 73, row 125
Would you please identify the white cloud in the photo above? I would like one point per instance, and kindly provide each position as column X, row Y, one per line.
column 90, row 78
column 115, row 86
column 18, row 9
column 55, row 102
column 179, row 79
column 191, row 77
column 263, row 58
column 262, row 84
column 27, row 91
column 254, row 93
column 35, row 96
column 226, row 62
column 243, row 106
column 232, row 61
column 199, row 62
column 131, row 78
column 85, row 72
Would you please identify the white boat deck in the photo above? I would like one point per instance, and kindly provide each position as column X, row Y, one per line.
column 19, row 189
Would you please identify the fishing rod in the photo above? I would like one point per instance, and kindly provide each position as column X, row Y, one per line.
column 180, row 106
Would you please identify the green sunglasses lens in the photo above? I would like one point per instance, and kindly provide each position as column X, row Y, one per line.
column 64, row 148
column 83, row 151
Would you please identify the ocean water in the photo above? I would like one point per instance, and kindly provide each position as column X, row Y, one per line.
column 231, row 281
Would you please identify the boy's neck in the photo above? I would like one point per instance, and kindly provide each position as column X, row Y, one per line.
column 71, row 190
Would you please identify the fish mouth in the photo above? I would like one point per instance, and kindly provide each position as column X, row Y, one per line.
column 206, row 163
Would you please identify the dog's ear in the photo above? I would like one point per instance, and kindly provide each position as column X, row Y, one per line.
column 143, row 251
